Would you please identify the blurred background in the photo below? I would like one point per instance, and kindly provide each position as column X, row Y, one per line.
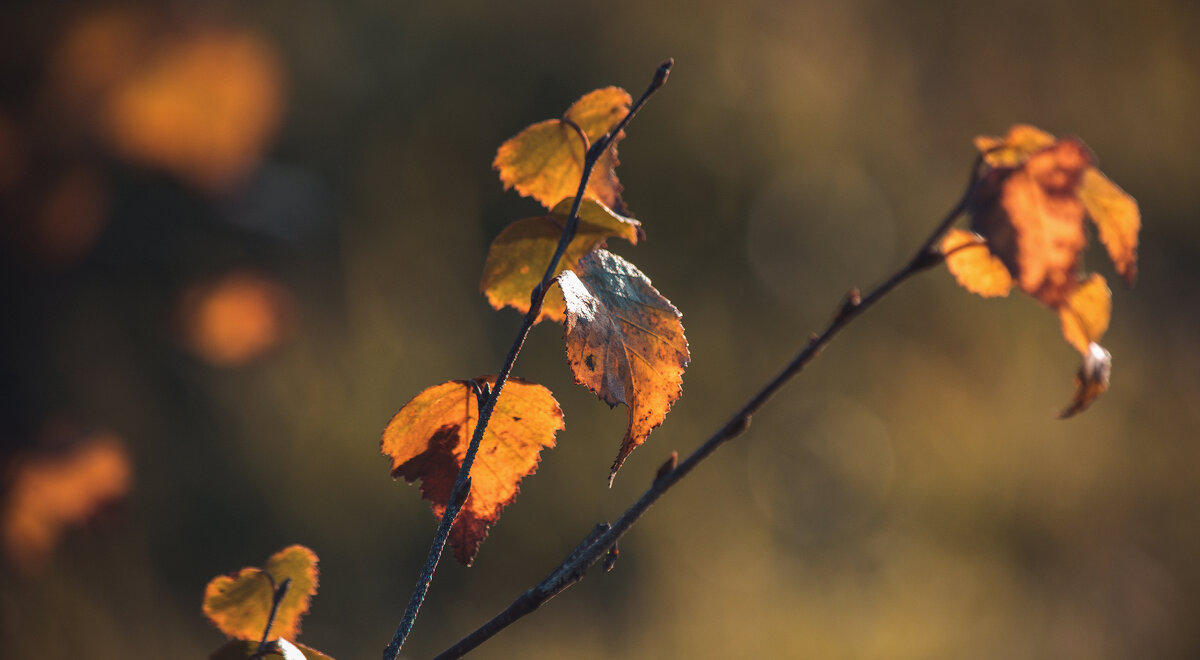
column 237, row 237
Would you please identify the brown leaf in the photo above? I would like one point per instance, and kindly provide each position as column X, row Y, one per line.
column 1091, row 381
column 1085, row 313
column 1032, row 219
column 973, row 265
column 518, row 257
column 1117, row 218
column 545, row 161
column 240, row 604
column 428, row 440
column 625, row 342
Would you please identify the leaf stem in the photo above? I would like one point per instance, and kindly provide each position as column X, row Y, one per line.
column 598, row 545
column 458, row 495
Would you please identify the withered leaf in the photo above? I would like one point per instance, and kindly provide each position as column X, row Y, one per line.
column 517, row 258
column 1085, row 313
column 240, row 604
column 973, row 265
column 428, row 440
column 1117, row 218
column 1091, row 381
column 625, row 342
column 545, row 161
column 280, row 649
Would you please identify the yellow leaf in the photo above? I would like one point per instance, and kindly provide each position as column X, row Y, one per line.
column 240, row 604
column 518, row 257
column 973, row 265
column 1012, row 150
column 545, row 161
column 1085, row 313
column 1117, row 218
column 624, row 342
column 428, row 440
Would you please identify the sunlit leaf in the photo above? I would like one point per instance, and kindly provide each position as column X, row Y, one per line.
column 545, row 161
column 428, row 440
column 49, row 492
column 280, row 649
column 240, row 604
column 1117, row 218
column 235, row 319
column 973, row 265
column 1012, row 150
column 1091, row 381
column 625, row 342
column 518, row 257
column 1085, row 313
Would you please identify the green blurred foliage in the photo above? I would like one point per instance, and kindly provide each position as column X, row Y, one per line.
column 911, row 495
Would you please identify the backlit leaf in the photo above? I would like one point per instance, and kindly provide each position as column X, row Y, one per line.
column 1117, row 219
column 280, row 649
column 545, row 161
column 1091, row 381
column 973, row 265
column 519, row 255
column 1012, row 150
column 1085, row 313
column 428, row 440
column 240, row 604
column 625, row 342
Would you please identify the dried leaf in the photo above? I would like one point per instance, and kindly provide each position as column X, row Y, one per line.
column 973, row 265
column 428, row 440
column 280, row 649
column 49, row 492
column 518, row 257
column 625, row 342
column 1085, row 313
column 240, row 604
column 1091, row 381
column 1117, row 218
column 1035, row 222
column 545, row 161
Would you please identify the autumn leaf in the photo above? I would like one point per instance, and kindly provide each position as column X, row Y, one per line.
column 239, row 605
column 545, row 161
column 518, row 257
column 428, row 440
column 625, row 342
column 1085, row 313
column 280, row 649
column 1091, row 381
column 973, row 265
column 1117, row 218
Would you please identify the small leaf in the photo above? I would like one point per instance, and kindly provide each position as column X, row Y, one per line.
column 280, row 649
column 240, row 604
column 545, row 161
column 624, row 342
column 1117, row 218
column 973, row 265
column 428, row 440
column 1085, row 313
column 1013, row 149
column 1091, row 381
column 519, row 255
column 1032, row 219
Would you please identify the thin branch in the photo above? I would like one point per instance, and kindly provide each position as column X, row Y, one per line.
column 458, row 495
column 599, row 543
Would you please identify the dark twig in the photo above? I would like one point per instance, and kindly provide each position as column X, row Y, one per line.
column 277, row 594
column 595, row 547
column 458, row 495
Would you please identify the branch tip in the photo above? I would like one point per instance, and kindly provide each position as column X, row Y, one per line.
column 667, row 466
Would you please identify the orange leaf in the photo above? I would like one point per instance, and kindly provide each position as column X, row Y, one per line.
column 48, row 493
column 1091, row 381
column 545, row 161
column 1117, row 218
column 1013, row 149
column 519, row 255
column 1085, row 313
column 240, row 604
column 428, row 440
column 1032, row 219
column 280, row 649
column 973, row 265
column 624, row 342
